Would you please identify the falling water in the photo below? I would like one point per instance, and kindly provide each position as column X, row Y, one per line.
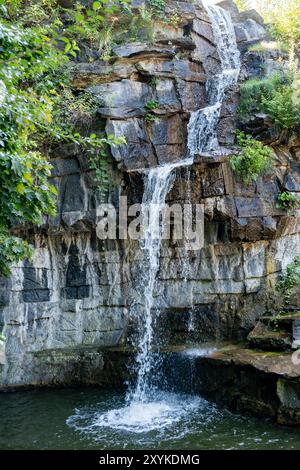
column 202, row 136
column 202, row 128
column 158, row 183
column 145, row 410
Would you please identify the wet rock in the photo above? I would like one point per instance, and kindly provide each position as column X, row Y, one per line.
column 289, row 396
column 267, row 339
column 167, row 97
column 204, row 29
column 192, row 95
column 292, row 178
column 169, row 130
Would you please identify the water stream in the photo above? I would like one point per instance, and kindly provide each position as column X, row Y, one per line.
column 202, row 132
column 147, row 408
column 202, row 127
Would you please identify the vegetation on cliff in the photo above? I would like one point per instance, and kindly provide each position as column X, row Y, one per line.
column 253, row 160
column 37, row 109
column 282, row 16
column 275, row 95
column 288, row 281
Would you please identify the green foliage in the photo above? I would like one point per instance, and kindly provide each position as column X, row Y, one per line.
column 288, row 281
column 254, row 159
column 98, row 163
column 281, row 108
column 253, row 91
column 288, row 201
column 284, row 16
column 150, row 106
column 274, row 96
column 242, row 5
column 153, row 82
column 12, row 250
column 158, row 8
column 37, row 110
column 269, row 46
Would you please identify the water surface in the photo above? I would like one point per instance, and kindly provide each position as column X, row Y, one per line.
column 89, row 418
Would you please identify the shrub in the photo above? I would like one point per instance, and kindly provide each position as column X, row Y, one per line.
column 288, row 201
column 268, row 46
column 280, row 107
column 288, row 281
column 254, row 159
column 253, row 91
column 158, row 8
column 274, row 96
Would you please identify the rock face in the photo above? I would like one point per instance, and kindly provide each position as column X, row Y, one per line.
column 61, row 310
column 256, row 382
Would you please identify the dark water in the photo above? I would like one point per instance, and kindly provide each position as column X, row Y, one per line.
column 94, row 419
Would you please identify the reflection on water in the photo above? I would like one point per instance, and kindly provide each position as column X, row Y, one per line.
column 94, row 419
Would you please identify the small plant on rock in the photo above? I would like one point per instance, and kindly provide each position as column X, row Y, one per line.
column 150, row 106
column 288, row 281
column 254, row 159
column 288, row 201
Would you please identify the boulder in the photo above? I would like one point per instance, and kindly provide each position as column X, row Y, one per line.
column 268, row 339
column 192, row 95
column 167, row 97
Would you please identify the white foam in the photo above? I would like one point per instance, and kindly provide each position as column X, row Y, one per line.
column 161, row 413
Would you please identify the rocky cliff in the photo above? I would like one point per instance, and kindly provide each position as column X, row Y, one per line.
column 64, row 308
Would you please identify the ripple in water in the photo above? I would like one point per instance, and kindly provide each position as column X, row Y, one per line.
column 161, row 415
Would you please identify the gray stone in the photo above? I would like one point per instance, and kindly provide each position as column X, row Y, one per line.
column 229, row 5
column 85, row 75
column 166, row 131
column 182, row 69
column 204, row 29
column 249, row 30
column 138, row 49
column 138, row 151
column 251, row 14
column 167, row 97
column 36, row 295
column 122, row 99
column 192, row 95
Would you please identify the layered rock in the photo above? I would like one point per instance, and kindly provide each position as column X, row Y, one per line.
column 61, row 310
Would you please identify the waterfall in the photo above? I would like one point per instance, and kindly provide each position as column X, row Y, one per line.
column 157, row 185
column 202, row 127
column 202, row 136
column 145, row 409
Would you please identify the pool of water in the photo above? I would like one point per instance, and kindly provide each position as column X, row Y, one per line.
column 94, row 419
